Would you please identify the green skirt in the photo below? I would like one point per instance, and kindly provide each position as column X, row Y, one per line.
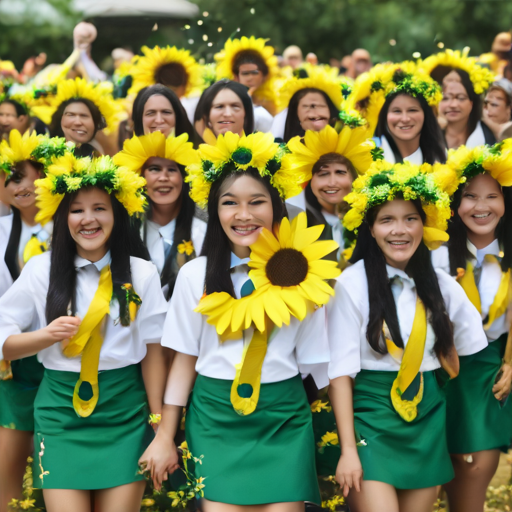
column 476, row 420
column 405, row 455
column 98, row 452
column 17, row 395
column 265, row 457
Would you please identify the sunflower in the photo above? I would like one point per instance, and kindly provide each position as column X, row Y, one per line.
column 18, row 147
column 137, row 150
column 289, row 276
column 353, row 144
column 145, row 70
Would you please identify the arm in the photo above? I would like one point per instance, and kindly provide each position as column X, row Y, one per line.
column 349, row 472
column 155, row 368
column 161, row 457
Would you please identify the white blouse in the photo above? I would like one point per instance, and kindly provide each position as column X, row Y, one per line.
column 416, row 158
column 348, row 315
column 122, row 346
column 299, row 347
column 490, row 279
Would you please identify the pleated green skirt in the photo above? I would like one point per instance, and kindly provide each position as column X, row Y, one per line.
column 405, row 455
column 265, row 457
column 17, row 395
column 476, row 420
column 98, row 452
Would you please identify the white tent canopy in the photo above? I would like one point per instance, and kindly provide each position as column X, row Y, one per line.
column 153, row 8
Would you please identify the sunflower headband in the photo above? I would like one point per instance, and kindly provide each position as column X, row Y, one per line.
column 137, row 150
column 385, row 182
column 232, row 153
column 69, row 174
column 37, row 148
column 354, row 145
column 495, row 160
column 145, row 69
column 481, row 77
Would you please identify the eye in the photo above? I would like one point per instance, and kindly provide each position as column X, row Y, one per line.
column 469, row 195
column 154, row 168
column 76, row 210
column 100, row 209
column 322, row 174
column 341, row 172
column 257, row 202
column 228, row 202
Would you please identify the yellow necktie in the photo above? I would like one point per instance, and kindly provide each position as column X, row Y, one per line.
column 88, row 341
column 34, row 247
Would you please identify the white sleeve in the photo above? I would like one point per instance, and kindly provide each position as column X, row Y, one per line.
column 344, row 323
column 441, row 258
column 183, row 326
column 312, row 347
column 468, row 332
column 152, row 312
column 198, row 234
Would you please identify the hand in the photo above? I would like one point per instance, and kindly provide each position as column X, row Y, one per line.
column 349, row 472
column 502, row 388
column 62, row 328
column 160, row 459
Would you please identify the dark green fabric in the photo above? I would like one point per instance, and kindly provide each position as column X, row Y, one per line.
column 265, row 457
column 18, row 394
column 326, row 459
column 97, row 452
column 405, row 455
column 476, row 420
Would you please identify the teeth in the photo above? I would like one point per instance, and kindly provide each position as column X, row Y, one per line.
column 90, row 232
column 331, row 191
column 163, row 190
column 245, row 230
column 398, row 243
column 481, row 216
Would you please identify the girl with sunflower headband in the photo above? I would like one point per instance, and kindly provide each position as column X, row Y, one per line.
column 23, row 159
column 99, row 310
column 479, row 255
column 463, row 82
column 170, row 230
column 401, row 321
column 242, row 337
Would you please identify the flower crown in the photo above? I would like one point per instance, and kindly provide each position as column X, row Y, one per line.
column 232, row 153
column 145, row 68
column 417, row 84
column 481, row 77
column 137, row 150
column 38, row 148
column 69, row 174
column 352, row 144
column 385, row 181
column 495, row 160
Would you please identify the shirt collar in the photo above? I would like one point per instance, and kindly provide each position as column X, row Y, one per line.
column 396, row 272
column 236, row 261
column 479, row 254
column 100, row 264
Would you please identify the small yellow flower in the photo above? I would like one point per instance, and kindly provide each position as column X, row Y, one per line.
column 186, row 247
column 318, row 406
column 147, row 502
column 27, row 504
column 330, row 438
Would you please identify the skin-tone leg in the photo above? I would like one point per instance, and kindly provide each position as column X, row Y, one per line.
column 15, row 446
column 124, row 498
column 466, row 492
column 213, row 506
column 374, row 497
column 64, row 500
column 417, row 500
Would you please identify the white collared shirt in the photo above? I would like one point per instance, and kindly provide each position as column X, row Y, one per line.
column 348, row 315
column 490, row 279
column 416, row 158
column 337, row 230
column 300, row 347
column 262, row 119
column 477, row 138
column 122, row 346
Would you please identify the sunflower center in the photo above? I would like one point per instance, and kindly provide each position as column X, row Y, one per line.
column 242, row 156
column 287, row 267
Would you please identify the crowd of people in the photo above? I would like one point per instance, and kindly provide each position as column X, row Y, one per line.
column 262, row 273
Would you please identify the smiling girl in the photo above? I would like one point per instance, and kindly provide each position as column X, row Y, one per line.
column 98, row 308
column 392, row 323
column 242, row 337
column 479, row 255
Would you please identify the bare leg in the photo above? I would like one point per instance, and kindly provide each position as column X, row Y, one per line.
column 65, row 500
column 15, row 447
column 124, row 498
column 374, row 497
column 466, row 492
column 214, row 506
column 417, row 500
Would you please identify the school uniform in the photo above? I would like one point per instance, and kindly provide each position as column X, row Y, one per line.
column 102, row 450
column 407, row 455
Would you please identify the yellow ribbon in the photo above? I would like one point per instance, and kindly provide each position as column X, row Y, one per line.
column 88, row 341
column 410, row 365
column 34, row 247
column 501, row 299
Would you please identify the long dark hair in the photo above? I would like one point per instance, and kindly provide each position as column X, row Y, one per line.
column 123, row 243
column 240, row 90
column 183, row 124
column 381, row 300
column 457, row 244
column 97, row 118
column 182, row 231
column 431, row 138
column 292, row 127
column 216, row 246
